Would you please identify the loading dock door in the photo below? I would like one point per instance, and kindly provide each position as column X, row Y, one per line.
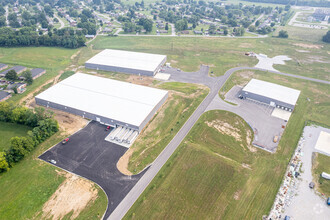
column 98, row 119
column 272, row 104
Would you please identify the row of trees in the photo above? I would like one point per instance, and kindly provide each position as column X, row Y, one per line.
column 12, row 75
column 42, row 124
column 28, row 37
column 326, row 37
column 320, row 3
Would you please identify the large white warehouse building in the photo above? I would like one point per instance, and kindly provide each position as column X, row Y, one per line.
column 272, row 94
column 107, row 101
column 127, row 62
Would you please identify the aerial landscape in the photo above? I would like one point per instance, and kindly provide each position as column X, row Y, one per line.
column 165, row 109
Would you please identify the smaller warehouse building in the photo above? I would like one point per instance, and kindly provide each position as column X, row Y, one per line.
column 127, row 62
column 18, row 70
column 37, row 72
column 272, row 94
column 3, row 66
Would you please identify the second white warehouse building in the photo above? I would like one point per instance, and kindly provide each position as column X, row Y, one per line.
column 107, row 101
column 127, row 62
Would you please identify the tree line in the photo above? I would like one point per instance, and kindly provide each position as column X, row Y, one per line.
column 43, row 126
column 29, row 37
column 320, row 3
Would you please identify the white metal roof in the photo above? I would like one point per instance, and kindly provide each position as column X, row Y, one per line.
column 273, row 91
column 127, row 59
column 121, row 101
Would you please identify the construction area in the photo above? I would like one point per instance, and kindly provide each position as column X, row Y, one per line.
column 127, row 62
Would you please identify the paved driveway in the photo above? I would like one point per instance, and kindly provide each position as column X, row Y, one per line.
column 87, row 154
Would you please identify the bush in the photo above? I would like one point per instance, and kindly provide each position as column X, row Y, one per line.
column 326, row 38
column 43, row 125
column 283, row 34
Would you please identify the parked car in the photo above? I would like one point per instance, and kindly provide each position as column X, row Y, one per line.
column 66, row 140
column 52, row 161
column 311, row 185
column 328, row 201
column 287, row 217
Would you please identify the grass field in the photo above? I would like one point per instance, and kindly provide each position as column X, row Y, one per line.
column 321, row 164
column 221, row 55
column 208, row 164
column 161, row 129
column 9, row 130
column 30, row 183
column 50, row 58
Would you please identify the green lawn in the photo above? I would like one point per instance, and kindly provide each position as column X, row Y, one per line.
column 222, row 54
column 50, row 58
column 166, row 123
column 204, row 178
column 31, row 182
column 321, row 163
column 9, row 130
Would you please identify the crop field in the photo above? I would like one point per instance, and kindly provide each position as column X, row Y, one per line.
column 182, row 102
column 245, row 184
column 9, row 130
column 308, row 59
column 321, row 164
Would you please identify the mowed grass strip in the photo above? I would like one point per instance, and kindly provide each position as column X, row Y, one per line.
column 321, row 163
column 9, row 130
column 182, row 102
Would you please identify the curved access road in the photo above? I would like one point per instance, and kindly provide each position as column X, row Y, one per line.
column 154, row 168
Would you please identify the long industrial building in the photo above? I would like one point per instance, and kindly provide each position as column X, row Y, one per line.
column 127, row 62
column 107, row 101
column 272, row 94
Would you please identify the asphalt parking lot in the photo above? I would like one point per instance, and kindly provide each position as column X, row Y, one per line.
column 87, row 154
column 257, row 115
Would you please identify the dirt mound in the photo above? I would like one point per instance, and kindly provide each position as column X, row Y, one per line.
column 73, row 195
column 123, row 162
column 225, row 128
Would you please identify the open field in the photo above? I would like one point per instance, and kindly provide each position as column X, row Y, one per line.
column 31, row 182
column 182, row 101
column 308, row 59
column 245, row 194
column 9, row 130
column 306, row 34
column 321, row 164
column 50, row 58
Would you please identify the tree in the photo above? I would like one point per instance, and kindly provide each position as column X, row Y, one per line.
column 225, row 32
column 181, row 25
column 326, row 38
column 283, row 34
column 212, row 29
column 166, row 26
column 287, row 7
column 11, row 75
column 3, row 162
column 257, row 23
column 28, row 75
column 252, row 28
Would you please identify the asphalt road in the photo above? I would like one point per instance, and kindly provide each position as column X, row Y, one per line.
column 142, row 184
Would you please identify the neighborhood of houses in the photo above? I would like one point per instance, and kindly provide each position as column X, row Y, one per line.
column 9, row 87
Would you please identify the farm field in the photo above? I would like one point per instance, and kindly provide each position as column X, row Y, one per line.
column 321, row 164
column 9, row 130
column 308, row 59
column 248, row 192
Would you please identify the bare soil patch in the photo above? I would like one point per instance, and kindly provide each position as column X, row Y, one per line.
column 302, row 51
column 308, row 46
column 174, row 61
column 245, row 45
column 140, row 80
column 123, row 162
column 73, row 195
column 246, row 74
column 225, row 128
column 237, row 195
column 69, row 123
